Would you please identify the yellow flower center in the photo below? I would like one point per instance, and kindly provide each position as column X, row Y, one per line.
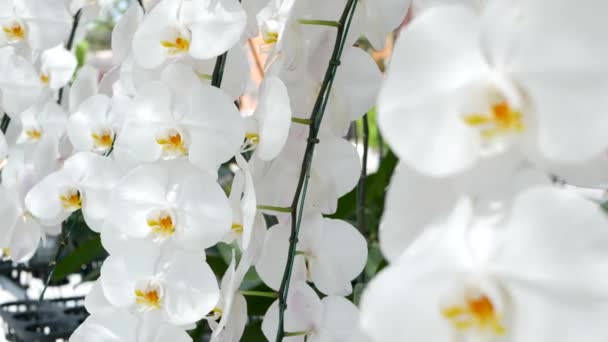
column 237, row 228
column 148, row 298
column 172, row 143
column 70, row 200
column 254, row 138
column 502, row 119
column 476, row 313
column 271, row 37
column 103, row 140
column 6, row 253
column 44, row 78
column 179, row 45
column 14, row 32
column 162, row 224
column 34, row 134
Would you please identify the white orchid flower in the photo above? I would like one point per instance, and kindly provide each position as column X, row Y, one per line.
column 375, row 19
column 201, row 29
column 124, row 31
column 309, row 318
column 169, row 203
column 20, row 232
column 416, row 202
column 84, row 182
column 243, row 204
column 97, row 121
column 334, row 172
column 177, row 284
column 355, row 86
column 181, row 118
column 45, row 120
column 231, row 309
column 24, row 82
column 491, row 82
column 268, row 128
column 536, row 276
column 120, row 325
column 38, row 24
column 330, row 253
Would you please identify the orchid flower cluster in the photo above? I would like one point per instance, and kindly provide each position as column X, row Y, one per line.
column 136, row 154
column 491, row 106
column 486, row 105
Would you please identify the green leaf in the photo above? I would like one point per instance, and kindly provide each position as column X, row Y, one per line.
column 72, row 263
column 374, row 260
column 357, row 292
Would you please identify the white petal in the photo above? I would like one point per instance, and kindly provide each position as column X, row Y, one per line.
column 84, row 86
column 563, row 74
column 341, row 253
column 217, row 128
column 191, row 288
column 139, row 191
column 436, row 59
column 147, row 49
column 554, row 239
column 414, row 203
column 58, row 64
column 115, row 326
column 274, row 117
column 95, row 301
column 9, row 213
column 44, row 202
column 340, row 317
column 121, row 271
column 124, row 30
column 216, row 27
column 359, row 79
column 48, row 22
column 204, row 215
column 20, row 83
column 89, row 116
column 271, row 265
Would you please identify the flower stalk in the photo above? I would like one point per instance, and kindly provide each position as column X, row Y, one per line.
column 314, row 127
column 68, row 46
column 66, row 232
column 6, row 120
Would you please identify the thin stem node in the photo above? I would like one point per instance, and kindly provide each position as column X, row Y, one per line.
column 329, row 23
column 301, row 121
column 273, row 208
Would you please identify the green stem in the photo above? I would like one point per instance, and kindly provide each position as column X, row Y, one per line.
column 218, row 70
column 301, row 121
column 329, row 23
column 260, row 294
column 5, row 121
column 273, row 208
column 300, row 194
column 361, row 187
column 68, row 46
column 64, row 239
column 295, row 333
